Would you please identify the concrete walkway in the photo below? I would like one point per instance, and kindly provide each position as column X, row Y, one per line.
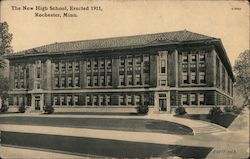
column 226, row 143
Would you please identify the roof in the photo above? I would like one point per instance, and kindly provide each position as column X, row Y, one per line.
column 117, row 42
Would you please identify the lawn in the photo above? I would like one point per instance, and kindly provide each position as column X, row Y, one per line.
column 101, row 147
column 136, row 125
column 224, row 119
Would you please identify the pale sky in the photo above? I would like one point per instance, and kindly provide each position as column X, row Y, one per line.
column 227, row 20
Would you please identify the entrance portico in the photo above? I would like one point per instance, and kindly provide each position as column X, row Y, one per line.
column 37, row 102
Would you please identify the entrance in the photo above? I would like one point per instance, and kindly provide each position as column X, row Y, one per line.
column 37, row 103
column 162, row 102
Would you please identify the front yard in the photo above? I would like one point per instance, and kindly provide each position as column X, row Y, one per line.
column 136, row 125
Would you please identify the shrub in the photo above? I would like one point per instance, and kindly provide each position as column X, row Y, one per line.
column 142, row 109
column 214, row 112
column 228, row 109
column 237, row 110
column 48, row 109
column 180, row 110
column 4, row 108
column 22, row 109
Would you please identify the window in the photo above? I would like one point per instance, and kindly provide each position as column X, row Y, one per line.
column 38, row 72
column 56, row 100
column 62, row 67
column 202, row 99
column 77, row 82
column 95, row 65
column 77, row 67
column 185, row 77
column 184, row 99
column 56, row 82
column 138, row 61
column 16, row 83
column 102, row 65
column 122, row 100
column 184, row 65
column 109, row 65
column 88, row 100
column 63, row 82
column 184, row 57
column 70, row 67
column 69, row 100
column 56, row 68
column 193, row 99
column 130, row 79
column 108, row 100
column 21, row 83
column 202, row 56
column 130, row 61
column 193, row 57
column 38, row 85
column 63, row 100
column 192, row 65
column 163, row 82
column 89, row 80
column 202, row 77
column 129, row 99
column 70, row 82
column 88, row 66
column 193, row 77
column 95, row 100
column 76, row 100
column 138, row 79
column 163, row 66
column 102, row 80
column 95, row 80
column 122, row 64
column 137, row 100
column 122, row 80
column 102, row 101
column 109, row 80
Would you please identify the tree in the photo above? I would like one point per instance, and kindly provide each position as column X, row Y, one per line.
column 242, row 75
column 5, row 42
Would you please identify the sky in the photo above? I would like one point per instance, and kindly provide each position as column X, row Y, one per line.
column 227, row 20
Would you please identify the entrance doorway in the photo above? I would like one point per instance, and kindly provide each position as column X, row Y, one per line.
column 162, row 102
column 37, row 103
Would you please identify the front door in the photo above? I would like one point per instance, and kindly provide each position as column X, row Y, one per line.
column 37, row 103
column 162, row 104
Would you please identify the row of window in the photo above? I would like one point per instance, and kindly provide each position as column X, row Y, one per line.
column 193, row 99
column 96, row 100
column 193, row 56
column 192, row 78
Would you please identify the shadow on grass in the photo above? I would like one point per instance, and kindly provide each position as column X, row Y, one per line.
column 102, row 147
column 137, row 125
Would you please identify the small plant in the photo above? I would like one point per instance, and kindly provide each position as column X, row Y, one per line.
column 228, row 109
column 214, row 112
column 142, row 109
column 4, row 108
column 237, row 110
column 180, row 110
column 48, row 109
column 22, row 109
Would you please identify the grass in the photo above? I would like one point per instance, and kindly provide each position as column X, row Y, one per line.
column 137, row 125
column 101, row 147
column 225, row 119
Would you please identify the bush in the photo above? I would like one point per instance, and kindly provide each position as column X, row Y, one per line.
column 48, row 109
column 214, row 112
column 4, row 108
column 180, row 111
column 237, row 110
column 142, row 109
column 228, row 109
column 22, row 109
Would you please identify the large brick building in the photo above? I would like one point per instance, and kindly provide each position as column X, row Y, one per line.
column 162, row 70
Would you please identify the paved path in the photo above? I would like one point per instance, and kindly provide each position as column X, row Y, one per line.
column 227, row 143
